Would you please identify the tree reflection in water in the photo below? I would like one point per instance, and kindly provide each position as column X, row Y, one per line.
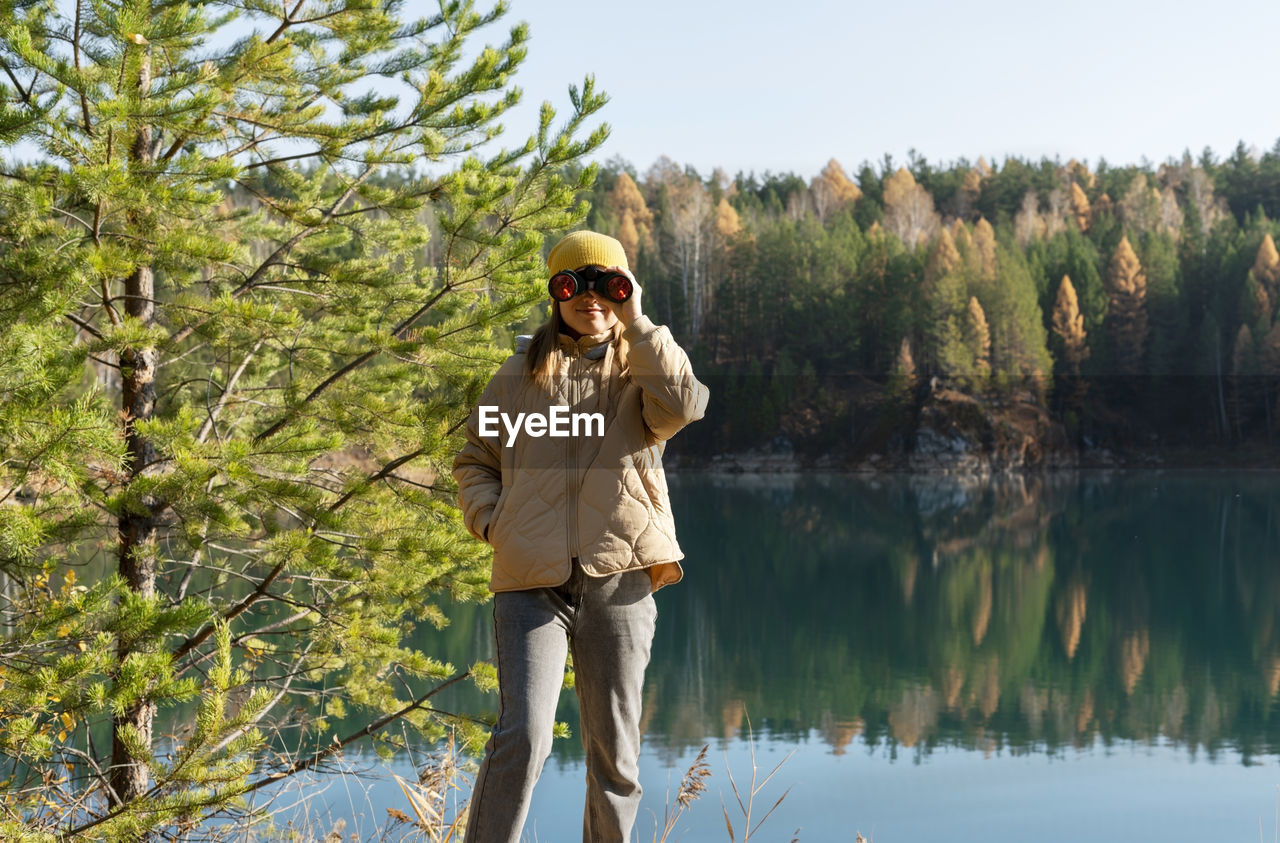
column 1006, row 615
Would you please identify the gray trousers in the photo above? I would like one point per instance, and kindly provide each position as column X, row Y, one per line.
column 608, row 623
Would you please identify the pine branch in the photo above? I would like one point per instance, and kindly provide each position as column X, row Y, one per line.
column 83, row 325
column 24, row 94
column 276, row 257
column 285, row 23
column 399, row 332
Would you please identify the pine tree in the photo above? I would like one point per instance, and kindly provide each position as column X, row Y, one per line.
column 230, row 224
column 944, row 291
column 1127, row 313
column 1018, row 337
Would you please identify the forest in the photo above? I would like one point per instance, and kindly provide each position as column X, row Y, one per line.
column 1123, row 307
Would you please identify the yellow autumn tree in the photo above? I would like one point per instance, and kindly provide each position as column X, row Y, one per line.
column 1266, row 266
column 1104, row 205
column 1078, row 172
column 984, row 241
column 908, row 209
column 635, row 220
column 1080, row 208
column 727, row 222
column 902, row 380
column 1127, row 314
column 978, row 337
column 832, row 190
column 969, row 193
column 1068, row 323
column 1257, row 303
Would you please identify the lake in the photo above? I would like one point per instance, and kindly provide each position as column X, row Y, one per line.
column 1039, row 658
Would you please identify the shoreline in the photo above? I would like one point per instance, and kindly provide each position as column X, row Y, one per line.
column 969, row 465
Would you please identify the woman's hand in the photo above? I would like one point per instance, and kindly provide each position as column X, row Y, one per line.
column 628, row 310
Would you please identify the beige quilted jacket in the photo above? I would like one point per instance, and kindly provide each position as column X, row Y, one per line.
column 542, row 501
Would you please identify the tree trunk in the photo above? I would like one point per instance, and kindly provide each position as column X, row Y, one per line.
column 130, row 776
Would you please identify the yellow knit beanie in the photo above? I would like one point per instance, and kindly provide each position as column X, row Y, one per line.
column 586, row 248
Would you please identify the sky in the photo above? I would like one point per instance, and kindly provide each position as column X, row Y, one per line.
column 785, row 86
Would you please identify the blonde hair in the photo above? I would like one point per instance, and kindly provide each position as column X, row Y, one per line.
column 543, row 357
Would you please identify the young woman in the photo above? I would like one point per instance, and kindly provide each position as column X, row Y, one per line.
column 581, row 530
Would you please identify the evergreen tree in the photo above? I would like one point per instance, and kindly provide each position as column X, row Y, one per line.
column 945, row 295
column 1018, row 338
column 232, row 226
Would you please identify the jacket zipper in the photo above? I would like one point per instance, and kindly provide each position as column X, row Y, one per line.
column 570, row 472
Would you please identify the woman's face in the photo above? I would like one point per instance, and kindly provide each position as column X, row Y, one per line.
column 587, row 314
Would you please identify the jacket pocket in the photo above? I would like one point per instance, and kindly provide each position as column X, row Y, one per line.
column 648, row 467
column 498, row 509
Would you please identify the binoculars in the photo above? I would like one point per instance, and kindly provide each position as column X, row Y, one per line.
column 568, row 283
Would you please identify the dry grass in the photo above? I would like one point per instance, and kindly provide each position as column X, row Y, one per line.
column 692, row 786
column 747, row 804
column 430, row 797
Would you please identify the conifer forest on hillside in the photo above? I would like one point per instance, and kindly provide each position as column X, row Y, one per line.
column 1039, row 311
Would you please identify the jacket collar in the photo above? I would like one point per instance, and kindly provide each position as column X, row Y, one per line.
column 590, row 346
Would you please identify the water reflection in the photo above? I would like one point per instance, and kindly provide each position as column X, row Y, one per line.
column 1013, row 615
column 1030, row 614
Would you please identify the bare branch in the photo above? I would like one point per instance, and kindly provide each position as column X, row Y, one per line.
column 208, row 426
column 338, row 745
